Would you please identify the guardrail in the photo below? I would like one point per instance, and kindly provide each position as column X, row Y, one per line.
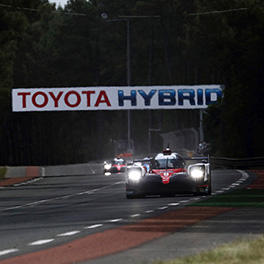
column 242, row 163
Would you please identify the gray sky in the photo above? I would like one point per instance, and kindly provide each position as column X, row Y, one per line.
column 61, row 2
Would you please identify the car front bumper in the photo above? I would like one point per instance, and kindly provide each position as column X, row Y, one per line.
column 153, row 185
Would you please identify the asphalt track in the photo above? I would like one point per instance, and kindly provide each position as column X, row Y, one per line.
column 84, row 217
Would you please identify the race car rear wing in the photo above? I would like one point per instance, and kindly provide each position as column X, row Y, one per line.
column 148, row 160
column 204, row 159
column 198, row 158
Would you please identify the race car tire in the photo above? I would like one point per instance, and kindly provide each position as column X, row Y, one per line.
column 205, row 192
column 131, row 195
column 209, row 192
column 134, row 196
column 198, row 193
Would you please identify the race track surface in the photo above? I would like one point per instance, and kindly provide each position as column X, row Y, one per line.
column 60, row 210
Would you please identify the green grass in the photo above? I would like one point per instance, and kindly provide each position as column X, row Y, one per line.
column 2, row 172
column 238, row 198
column 247, row 251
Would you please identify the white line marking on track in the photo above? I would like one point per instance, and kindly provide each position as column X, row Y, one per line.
column 93, row 226
column 8, row 251
column 36, row 203
column 86, row 192
column 63, row 197
column 118, row 182
column 28, row 182
column 60, row 197
column 11, row 208
column 244, row 174
column 71, row 233
column 135, row 215
column 41, row 242
column 115, row 220
column 173, row 204
column 163, row 207
column 149, row 211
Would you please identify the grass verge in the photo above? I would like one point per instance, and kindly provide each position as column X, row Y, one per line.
column 2, row 173
column 246, row 251
column 238, row 198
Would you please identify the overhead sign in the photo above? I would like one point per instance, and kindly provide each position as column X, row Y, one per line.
column 115, row 98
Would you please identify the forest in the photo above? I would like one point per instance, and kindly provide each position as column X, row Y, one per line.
column 173, row 42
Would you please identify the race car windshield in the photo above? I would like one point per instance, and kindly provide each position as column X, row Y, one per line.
column 168, row 164
column 119, row 162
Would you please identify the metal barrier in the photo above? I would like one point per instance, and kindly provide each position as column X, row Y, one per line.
column 242, row 163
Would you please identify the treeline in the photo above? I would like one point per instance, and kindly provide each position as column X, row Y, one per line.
column 185, row 42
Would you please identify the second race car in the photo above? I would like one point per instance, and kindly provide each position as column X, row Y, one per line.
column 168, row 174
column 114, row 166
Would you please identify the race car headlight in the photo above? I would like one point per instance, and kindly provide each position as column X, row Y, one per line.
column 107, row 166
column 134, row 175
column 197, row 172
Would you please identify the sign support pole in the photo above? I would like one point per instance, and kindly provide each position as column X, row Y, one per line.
column 128, row 84
column 201, row 134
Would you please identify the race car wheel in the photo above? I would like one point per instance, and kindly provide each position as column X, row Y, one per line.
column 133, row 195
column 198, row 193
column 203, row 191
column 209, row 191
column 130, row 196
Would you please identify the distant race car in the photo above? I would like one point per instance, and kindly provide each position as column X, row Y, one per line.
column 168, row 174
column 114, row 166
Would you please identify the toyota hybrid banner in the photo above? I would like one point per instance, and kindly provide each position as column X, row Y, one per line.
column 115, row 98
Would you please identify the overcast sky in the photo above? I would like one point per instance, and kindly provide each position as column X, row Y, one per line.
column 61, row 2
